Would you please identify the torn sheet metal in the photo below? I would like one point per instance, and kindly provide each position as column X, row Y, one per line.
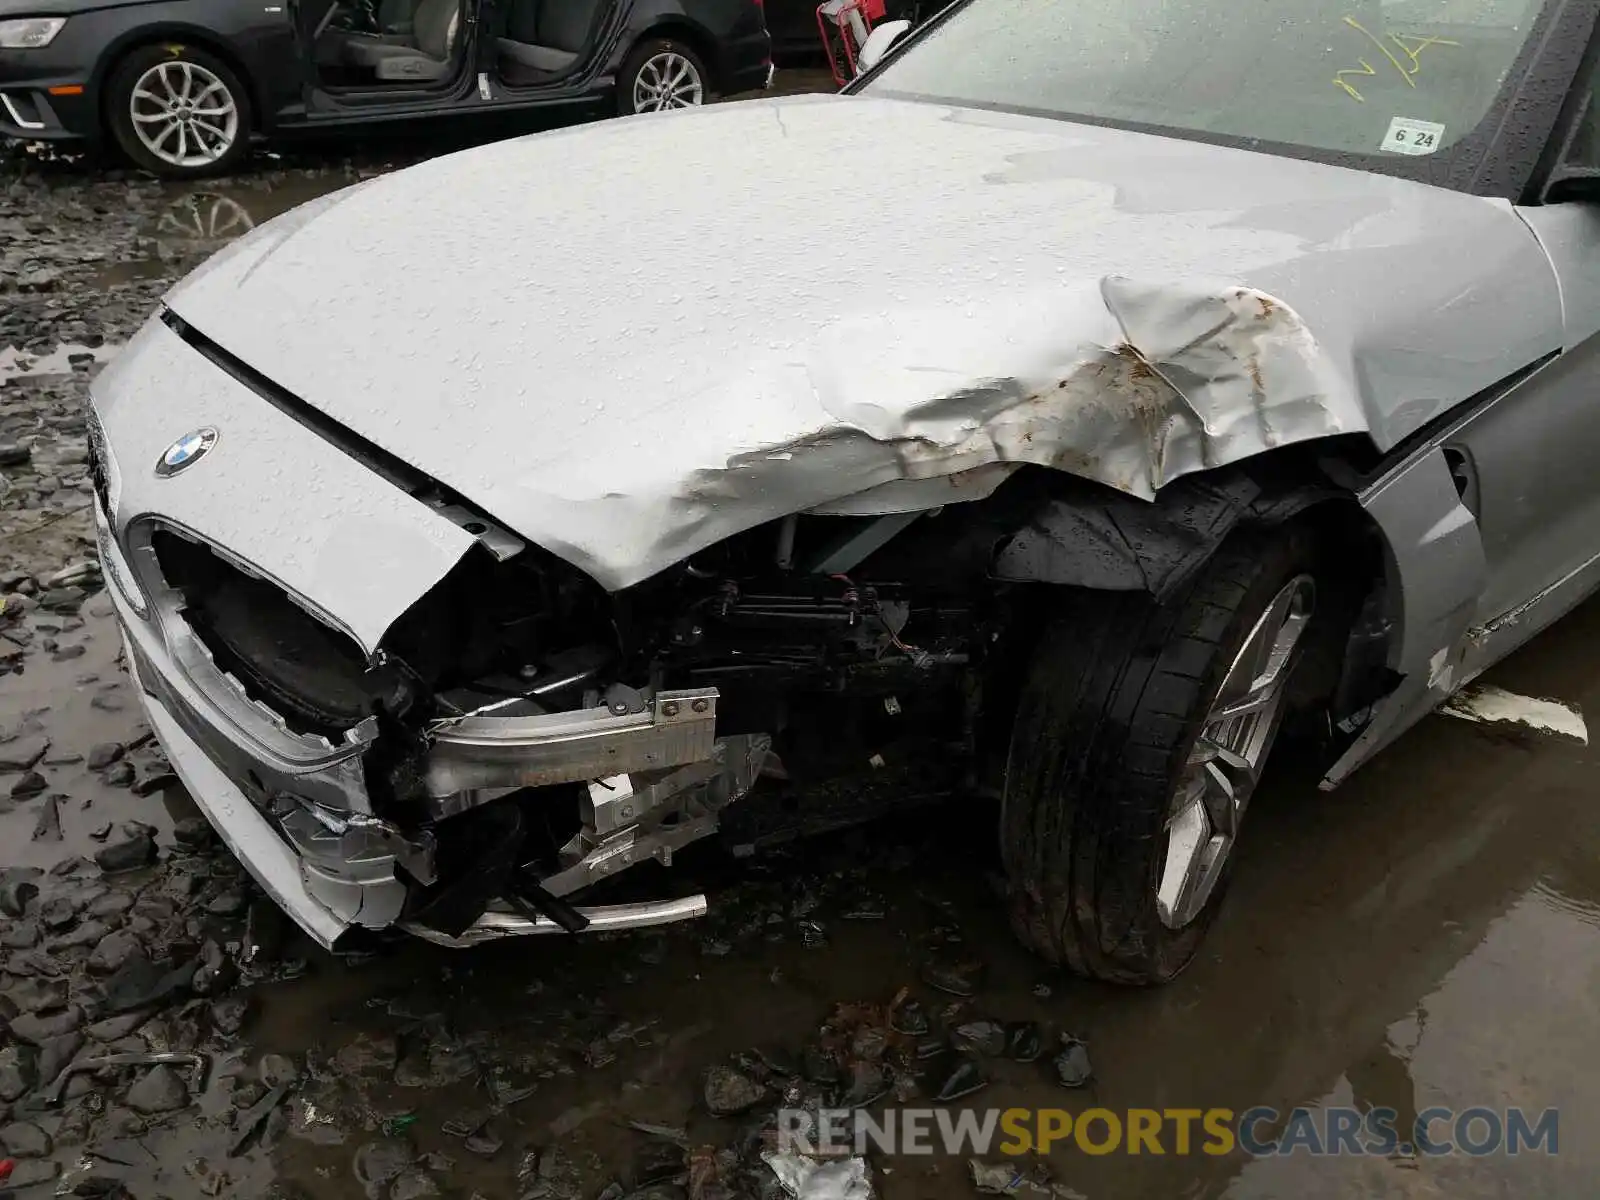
column 1120, row 306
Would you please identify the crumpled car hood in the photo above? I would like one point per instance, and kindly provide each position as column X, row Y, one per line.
column 632, row 340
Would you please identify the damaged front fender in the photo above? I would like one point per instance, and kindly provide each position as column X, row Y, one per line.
column 1128, row 383
column 1159, row 380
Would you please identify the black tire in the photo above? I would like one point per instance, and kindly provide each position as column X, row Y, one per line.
column 644, row 52
column 119, row 116
column 1116, row 695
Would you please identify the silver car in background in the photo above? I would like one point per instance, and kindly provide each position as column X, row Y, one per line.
column 1091, row 392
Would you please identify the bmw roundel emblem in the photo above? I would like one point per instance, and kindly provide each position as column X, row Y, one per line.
column 186, row 451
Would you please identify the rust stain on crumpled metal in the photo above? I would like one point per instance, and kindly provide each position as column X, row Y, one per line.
column 1151, row 382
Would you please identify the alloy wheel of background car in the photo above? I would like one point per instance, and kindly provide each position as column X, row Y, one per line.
column 661, row 75
column 1139, row 735
column 669, row 80
column 184, row 114
column 178, row 111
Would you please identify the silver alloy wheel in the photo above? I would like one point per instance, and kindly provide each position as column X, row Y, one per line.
column 667, row 80
column 183, row 114
column 1209, row 802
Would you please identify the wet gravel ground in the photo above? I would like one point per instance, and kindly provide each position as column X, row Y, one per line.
column 1428, row 935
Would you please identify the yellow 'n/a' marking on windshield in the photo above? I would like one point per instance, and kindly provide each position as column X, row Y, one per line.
column 1366, row 69
column 1411, row 45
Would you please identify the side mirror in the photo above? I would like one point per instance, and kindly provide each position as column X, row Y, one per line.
column 878, row 42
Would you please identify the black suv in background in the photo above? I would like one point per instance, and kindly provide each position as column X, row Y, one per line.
column 182, row 86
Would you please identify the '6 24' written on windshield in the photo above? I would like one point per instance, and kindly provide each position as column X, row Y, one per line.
column 1399, row 49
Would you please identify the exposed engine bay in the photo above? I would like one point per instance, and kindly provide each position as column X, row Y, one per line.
column 806, row 652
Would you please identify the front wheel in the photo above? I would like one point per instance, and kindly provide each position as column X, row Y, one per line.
column 178, row 111
column 1140, row 734
column 661, row 74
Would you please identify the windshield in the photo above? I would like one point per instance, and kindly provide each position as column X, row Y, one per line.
column 1407, row 77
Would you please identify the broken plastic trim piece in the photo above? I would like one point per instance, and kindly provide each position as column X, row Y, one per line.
column 495, row 925
column 528, row 893
column 469, row 753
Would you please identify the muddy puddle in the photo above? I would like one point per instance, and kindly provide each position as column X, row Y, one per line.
column 187, row 224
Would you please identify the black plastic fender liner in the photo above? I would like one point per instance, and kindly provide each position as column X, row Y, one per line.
column 1095, row 537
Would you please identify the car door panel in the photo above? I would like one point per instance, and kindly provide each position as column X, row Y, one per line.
column 1525, row 461
column 1522, row 462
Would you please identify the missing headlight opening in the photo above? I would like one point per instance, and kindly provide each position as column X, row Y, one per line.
column 553, row 737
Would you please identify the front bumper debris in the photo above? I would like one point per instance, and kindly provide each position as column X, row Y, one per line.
column 293, row 804
column 499, row 923
column 480, row 751
column 295, row 811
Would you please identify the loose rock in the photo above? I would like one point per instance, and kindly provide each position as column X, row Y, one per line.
column 194, row 832
column 215, row 971
column 159, row 1090
column 30, row 784
column 103, row 754
column 378, row 1164
column 729, row 1092
column 1072, row 1064
column 113, row 904
column 984, row 1036
column 993, row 1180
column 228, row 1014
column 412, row 1184
column 228, row 904
column 152, row 784
column 963, row 1078
column 31, row 1173
column 127, row 855
column 113, row 952
column 958, row 977
column 275, row 1070
column 19, row 1071
column 140, row 984
column 17, row 891
column 41, row 995
column 1023, row 1041
column 56, row 1053
column 113, row 1028
column 19, row 935
column 58, row 913
column 35, row 1029
column 23, row 753
column 24, row 1139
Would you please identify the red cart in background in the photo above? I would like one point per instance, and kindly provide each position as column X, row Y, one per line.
column 844, row 26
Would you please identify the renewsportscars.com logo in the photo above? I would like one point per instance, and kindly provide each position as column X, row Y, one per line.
column 1259, row 1132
